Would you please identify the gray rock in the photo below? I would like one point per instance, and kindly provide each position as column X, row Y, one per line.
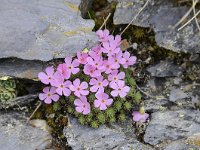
column 153, row 105
column 180, row 145
column 161, row 16
column 42, row 30
column 176, row 94
column 165, row 69
column 17, row 134
column 106, row 137
column 19, row 68
column 172, row 125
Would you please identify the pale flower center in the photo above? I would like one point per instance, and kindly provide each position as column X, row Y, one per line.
column 99, row 84
column 48, row 94
column 119, row 89
column 49, row 78
column 126, row 60
column 84, row 106
column 62, row 86
column 78, row 89
column 115, row 78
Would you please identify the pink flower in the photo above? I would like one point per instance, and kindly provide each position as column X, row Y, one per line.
column 82, row 105
column 108, row 66
column 116, row 40
column 62, row 86
column 95, row 51
column 82, row 58
column 119, row 89
column 49, row 95
column 62, row 68
column 79, row 88
column 91, row 70
column 116, row 60
column 71, row 66
column 47, row 77
column 127, row 60
column 116, row 77
column 103, row 35
column 138, row 117
column 98, row 84
column 97, row 62
column 102, row 101
column 110, row 48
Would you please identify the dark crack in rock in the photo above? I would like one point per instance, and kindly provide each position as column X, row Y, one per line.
column 17, row 134
column 162, row 16
column 20, row 68
column 114, row 136
column 18, row 101
column 165, row 69
column 172, row 125
column 43, row 30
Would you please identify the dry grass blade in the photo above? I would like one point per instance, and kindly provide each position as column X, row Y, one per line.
column 186, row 14
column 135, row 16
column 189, row 21
column 104, row 23
column 194, row 11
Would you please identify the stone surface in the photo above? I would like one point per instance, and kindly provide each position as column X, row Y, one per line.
column 44, row 29
column 114, row 136
column 17, row 134
column 172, row 125
column 153, row 105
column 161, row 16
column 165, row 69
column 176, row 94
column 181, row 145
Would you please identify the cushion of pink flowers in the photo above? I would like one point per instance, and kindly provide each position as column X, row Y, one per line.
column 101, row 64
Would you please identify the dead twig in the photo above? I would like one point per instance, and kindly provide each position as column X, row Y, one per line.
column 189, row 21
column 104, row 23
column 144, row 92
column 194, row 12
column 135, row 16
column 34, row 111
column 186, row 15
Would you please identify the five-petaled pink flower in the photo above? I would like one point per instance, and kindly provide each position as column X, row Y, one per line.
column 102, row 101
column 138, row 117
column 82, row 58
column 108, row 66
column 119, row 89
column 62, row 87
column 98, row 84
column 110, row 48
column 127, row 60
column 49, row 95
column 116, row 40
column 95, row 51
column 82, row 105
column 116, row 60
column 116, row 77
column 62, row 69
column 91, row 71
column 80, row 89
column 47, row 77
column 103, row 35
column 96, row 62
column 71, row 66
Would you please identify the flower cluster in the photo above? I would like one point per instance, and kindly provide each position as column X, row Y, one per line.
column 102, row 66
